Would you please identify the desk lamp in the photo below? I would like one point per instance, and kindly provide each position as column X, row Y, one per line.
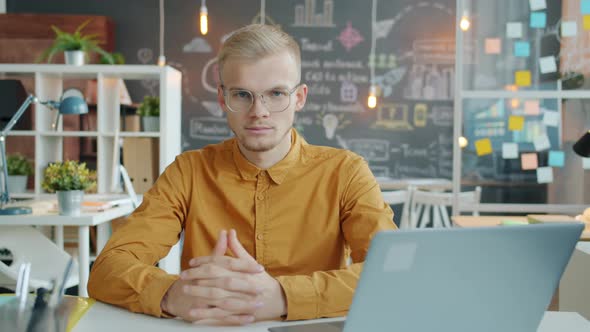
column 72, row 102
column 582, row 146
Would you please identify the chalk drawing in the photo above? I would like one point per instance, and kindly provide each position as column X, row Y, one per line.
column 379, row 171
column 146, row 56
column 420, row 115
column 341, row 142
column 348, row 92
column 306, row 15
column 387, row 81
column 197, row 45
column 209, row 128
column 350, row 37
column 210, row 76
column 213, row 108
column 186, row 84
column 330, row 123
column 392, row 116
column 370, row 149
column 382, row 28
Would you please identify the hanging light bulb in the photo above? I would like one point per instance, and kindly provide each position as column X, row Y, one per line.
column 203, row 20
column 463, row 142
column 161, row 61
column 465, row 23
column 372, row 100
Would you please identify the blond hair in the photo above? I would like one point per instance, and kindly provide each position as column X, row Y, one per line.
column 255, row 41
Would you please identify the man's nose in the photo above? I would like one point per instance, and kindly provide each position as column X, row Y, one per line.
column 258, row 108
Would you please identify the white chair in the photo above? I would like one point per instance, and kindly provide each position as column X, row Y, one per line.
column 48, row 261
column 399, row 197
column 428, row 206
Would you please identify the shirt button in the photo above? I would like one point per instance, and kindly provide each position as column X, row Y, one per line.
column 260, row 197
column 259, row 236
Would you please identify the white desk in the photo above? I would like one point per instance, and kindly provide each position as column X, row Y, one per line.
column 84, row 221
column 434, row 184
column 102, row 317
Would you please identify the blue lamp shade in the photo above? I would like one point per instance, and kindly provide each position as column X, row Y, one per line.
column 73, row 105
column 582, row 146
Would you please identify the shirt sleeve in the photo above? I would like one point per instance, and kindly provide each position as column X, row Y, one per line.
column 363, row 214
column 125, row 273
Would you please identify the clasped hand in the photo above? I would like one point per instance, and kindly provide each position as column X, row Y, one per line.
column 236, row 290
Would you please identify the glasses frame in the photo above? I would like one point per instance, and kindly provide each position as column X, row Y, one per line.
column 259, row 95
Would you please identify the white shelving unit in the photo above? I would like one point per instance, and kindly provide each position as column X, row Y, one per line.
column 49, row 85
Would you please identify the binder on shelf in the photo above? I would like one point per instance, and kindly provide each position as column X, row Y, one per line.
column 140, row 158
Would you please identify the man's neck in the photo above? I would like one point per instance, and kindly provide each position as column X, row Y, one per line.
column 267, row 159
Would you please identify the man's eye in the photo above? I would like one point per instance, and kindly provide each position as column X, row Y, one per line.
column 278, row 93
column 241, row 94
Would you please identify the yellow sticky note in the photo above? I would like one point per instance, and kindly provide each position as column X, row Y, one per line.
column 586, row 22
column 529, row 161
column 515, row 122
column 522, row 78
column 483, row 146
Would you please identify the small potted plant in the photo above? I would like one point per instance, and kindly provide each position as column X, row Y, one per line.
column 75, row 46
column 149, row 110
column 69, row 179
column 19, row 168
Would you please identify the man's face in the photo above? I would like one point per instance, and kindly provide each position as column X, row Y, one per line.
column 258, row 129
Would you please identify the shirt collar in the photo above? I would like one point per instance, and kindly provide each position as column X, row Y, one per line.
column 278, row 172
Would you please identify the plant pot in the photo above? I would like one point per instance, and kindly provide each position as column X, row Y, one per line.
column 150, row 123
column 75, row 58
column 17, row 184
column 70, row 202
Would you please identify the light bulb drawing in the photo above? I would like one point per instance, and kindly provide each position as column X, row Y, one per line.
column 330, row 123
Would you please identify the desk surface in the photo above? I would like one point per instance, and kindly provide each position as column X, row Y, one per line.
column 427, row 183
column 487, row 221
column 102, row 317
column 54, row 219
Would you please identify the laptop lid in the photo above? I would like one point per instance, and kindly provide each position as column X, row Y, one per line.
column 461, row 279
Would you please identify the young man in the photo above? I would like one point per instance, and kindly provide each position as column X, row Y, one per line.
column 299, row 210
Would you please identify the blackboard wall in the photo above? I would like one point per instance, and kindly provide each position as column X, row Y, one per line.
column 409, row 134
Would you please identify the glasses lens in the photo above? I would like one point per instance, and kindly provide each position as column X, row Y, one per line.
column 277, row 100
column 239, row 100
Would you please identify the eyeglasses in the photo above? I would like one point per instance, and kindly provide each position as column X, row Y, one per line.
column 241, row 100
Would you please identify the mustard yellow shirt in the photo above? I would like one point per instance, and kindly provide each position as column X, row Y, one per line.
column 301, row 219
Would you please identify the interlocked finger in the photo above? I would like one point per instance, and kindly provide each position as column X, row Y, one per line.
column 231, row 284
column 215, row 293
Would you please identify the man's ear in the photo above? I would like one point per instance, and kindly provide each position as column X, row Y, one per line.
column 301, row 97
column 220, row 98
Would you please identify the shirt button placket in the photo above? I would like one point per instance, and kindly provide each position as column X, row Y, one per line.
column 260, row 216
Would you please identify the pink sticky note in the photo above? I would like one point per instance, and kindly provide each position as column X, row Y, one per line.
column 529, row 161
column 493, row 46
column 531, row 107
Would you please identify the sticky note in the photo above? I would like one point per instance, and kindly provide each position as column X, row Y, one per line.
column 541, row 143
column 544, row 174
column 515, row 122
column 569, row 28
column 586, row 163
column 537, row 4
column 522, row 49
column 509, row 150
column 493, row 46
column 531, row 107
column 586, row 22
column 547, row 64
column 556, row 158
column 483, row 146
column 514, row 30
column 522, row 78
column 538, row 20
column 551, row 118
column 529, row 161
column 585, row 7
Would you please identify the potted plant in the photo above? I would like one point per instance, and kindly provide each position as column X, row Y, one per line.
column 19, row 168
column 149, row 110
column 69, row 180
column 75, row 46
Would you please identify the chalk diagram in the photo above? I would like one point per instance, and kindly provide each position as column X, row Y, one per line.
column 307, row 15
column 331, row 122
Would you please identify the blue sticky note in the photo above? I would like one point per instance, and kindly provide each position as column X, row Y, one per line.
column 538, row 20
column 556, row 158
column 585, row 7
column 522, row 48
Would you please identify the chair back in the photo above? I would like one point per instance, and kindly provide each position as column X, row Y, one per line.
column 48, row 261
column 432, row 207
column 399, row 197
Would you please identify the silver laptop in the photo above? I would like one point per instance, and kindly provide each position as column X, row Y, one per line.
column 459, row 279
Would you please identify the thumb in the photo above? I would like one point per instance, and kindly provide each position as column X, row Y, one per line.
column 221, row 245
column 236, row 247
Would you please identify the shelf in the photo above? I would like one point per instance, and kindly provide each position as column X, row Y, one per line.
column 526, row 94
column 138, row 134
column 21, row 133
column 69, row 133
column 132, row 72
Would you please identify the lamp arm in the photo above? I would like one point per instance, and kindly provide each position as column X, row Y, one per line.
column 4, row 196
column 30, row 99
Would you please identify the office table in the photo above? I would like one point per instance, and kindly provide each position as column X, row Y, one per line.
column 84, row 221
column 103, row 317
column 487, row 221
column 434, row 184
